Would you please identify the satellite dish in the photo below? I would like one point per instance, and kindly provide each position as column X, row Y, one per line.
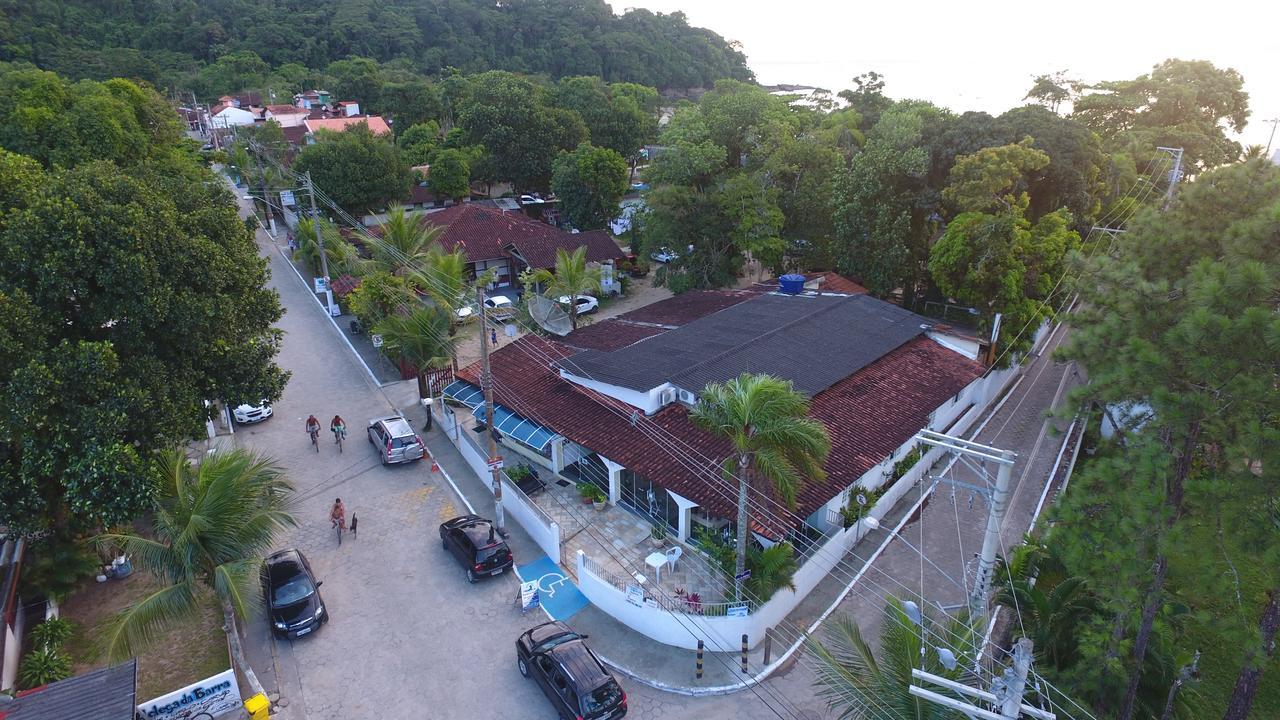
column 947, row 658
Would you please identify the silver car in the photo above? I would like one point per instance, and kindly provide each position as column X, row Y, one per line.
column 395, row 440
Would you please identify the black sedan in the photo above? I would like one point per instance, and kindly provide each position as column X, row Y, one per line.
column 475, row 543
column 292, row 595
column 570, row 675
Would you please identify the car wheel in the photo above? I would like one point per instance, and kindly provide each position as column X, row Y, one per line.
column 524, row 669
column 444, row 543
column 471, row 576
column 383, row 458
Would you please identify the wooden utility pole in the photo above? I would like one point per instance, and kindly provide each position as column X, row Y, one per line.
column 324, row 259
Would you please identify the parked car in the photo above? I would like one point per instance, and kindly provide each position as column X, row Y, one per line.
column 474, row 541
column 663, row 255
column 247, row 414
column 572, row 677
column 395, row 439
column 292, row 594
column 499, row 305
column 531, row 199
column 586, row 304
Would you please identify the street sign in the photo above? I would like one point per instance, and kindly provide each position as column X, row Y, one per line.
column 737, row 610
column 862, row 499
column 286, row 198
column 744, row 575
column 322, row 284
column 495, row 463
column 376, row 340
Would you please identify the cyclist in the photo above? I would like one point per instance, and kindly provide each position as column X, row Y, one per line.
column 338, row 514
column 313, row 427
column 338, row 427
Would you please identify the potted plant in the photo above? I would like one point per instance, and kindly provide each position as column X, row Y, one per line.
column 657, row 535
column 587, row 492
column 598, row 499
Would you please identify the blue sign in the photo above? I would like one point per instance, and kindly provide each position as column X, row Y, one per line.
column 737, row 610
column 744, row 575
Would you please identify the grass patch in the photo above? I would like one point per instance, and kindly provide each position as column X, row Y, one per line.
column 190, row 652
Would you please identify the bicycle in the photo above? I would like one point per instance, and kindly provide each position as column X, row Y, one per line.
column 339, row 434
column 315, row 438
column 339, row 527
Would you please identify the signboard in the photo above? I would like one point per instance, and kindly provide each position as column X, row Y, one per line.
column 214, row 696
column 322, row 284
column 495, row 463
column 737, row 610
column 376, row 340
column 635, row 595
column 529, row 595
column 862, row 499
column 287, row 199
column 744, row 575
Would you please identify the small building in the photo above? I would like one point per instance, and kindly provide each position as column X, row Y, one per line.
column 346, row 108
column 287, row 115
column 106, row 694
column 311, row 99
column 224, row 115
column 340, row 124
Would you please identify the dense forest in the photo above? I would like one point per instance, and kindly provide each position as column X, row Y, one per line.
column 169, row 42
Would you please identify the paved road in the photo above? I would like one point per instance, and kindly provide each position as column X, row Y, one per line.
column 411, row 639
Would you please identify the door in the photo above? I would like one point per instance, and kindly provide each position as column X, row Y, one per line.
column 458, row 545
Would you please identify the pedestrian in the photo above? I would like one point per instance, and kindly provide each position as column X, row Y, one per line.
column 493, row 336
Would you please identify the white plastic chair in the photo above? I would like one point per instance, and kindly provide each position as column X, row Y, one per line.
column 673, row 554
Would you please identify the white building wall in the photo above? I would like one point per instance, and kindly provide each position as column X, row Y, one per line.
column 232, row 116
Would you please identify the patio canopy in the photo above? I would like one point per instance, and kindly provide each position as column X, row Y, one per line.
column 506, row 422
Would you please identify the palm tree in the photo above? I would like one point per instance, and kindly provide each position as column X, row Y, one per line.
column 419, row 337
column 1049, row 603
column 773, row 440
column 572, row 277
column 404, row 242
column 212, row 523
column 859, row 683
column 772, row 569
column 340, row 254
column 443, row 277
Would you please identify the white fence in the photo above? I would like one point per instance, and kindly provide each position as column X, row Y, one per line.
column 535, row 521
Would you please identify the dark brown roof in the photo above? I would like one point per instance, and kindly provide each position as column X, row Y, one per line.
column 487, row 234
column 610, row 334
column 869, row 414
column 686, row 307
column 295, row 135
column 106, row 694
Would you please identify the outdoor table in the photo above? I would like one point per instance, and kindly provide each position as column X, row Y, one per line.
column 656, row 560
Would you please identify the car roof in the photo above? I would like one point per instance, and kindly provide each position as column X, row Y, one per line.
column 580, row 665
column 500, row 300
column 396, row 425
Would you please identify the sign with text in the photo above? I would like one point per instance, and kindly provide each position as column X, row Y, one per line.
column 529, row 595
column 495, row 463
column 322, row 284
column 744, row 575
column 635, row 595
column 215, row 696
column 736, row 610
column 286, row 198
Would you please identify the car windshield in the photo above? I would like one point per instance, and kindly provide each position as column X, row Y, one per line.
column 297, row 589
column 498, row 551
column 599, row 701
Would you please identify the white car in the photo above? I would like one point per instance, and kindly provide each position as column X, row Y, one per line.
column 249, row 414
column 663, row 255
column 499, row 305
column 586, row 304
column 531, row 200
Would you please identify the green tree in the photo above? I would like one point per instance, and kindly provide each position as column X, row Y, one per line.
column 589, row 182
column 572, row 277
column 1049, row 603
column 451, row 174
column 419, row 336
column 867, row 98
column 359, row 170
column 754, row 218
column 878, row 219
column 772, row 569
column 403, row 241
column 211, row 526
column 1189, row 104
column 776, row 447
column 992, row 177
column 340, row 254
column 615, row 119
column 357, row 78
column 232, row 73
column 859, row 682
column 1053, row 89
column 118, row 332
column 408, row 102
column 419, row 141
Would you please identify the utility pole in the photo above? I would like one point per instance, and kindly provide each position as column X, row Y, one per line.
column 266, row 199
column 486, row 384
column 1175, row 174
column 1274, row 122
column 324, row 260
column 1005, row 696
column 1014, row 682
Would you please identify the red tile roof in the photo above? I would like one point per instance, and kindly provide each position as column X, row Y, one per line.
column 295, row 135
column 485, row 234
column 338, row 124
column 868, row 415
column 286, row 110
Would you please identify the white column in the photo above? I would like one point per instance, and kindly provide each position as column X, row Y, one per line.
column 615, row 479
column 686, row 515
column 557, row 453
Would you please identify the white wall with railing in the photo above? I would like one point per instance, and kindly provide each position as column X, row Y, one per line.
column 535, row 521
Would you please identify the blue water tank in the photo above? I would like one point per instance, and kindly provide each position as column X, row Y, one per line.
column 791, row 284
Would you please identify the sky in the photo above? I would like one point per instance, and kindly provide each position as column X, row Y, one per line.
column 979, row 55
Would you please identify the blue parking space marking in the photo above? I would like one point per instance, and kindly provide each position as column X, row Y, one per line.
column 559, row 597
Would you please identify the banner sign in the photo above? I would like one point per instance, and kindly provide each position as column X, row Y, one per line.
column 736, row 610
column 635, row 595
column 215, row 696
column 529, row 595
column 286, row 198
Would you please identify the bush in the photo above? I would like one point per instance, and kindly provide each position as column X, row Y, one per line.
column 43, row 666
column 55, row 565
column 850, row 513
column 52, row 633
column 908, row 461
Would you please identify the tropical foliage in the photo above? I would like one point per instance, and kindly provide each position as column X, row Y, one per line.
column 419, row 337
column 571, row 278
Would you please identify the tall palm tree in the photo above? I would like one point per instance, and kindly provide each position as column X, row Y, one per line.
column 419, row 337
column 443, row 277
column 212, row 524
column 1050, row 604
column 405, row 241
column 340, row 254
column 860, row 683
column 773, row 439
column 572, row 277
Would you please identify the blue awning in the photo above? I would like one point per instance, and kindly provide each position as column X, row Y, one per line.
column 465, row 393
column 517, row 428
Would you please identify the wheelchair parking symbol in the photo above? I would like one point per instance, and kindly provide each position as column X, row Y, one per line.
column 549, row 587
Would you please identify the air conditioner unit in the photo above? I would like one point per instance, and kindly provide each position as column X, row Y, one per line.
column 688, row 397
column 668, row 396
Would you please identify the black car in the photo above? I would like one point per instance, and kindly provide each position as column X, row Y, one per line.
column 292, row 595
column 572, row 677
column 474, row 541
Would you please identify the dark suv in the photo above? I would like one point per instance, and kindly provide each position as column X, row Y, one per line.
column 475, row 543
column 572, row 677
